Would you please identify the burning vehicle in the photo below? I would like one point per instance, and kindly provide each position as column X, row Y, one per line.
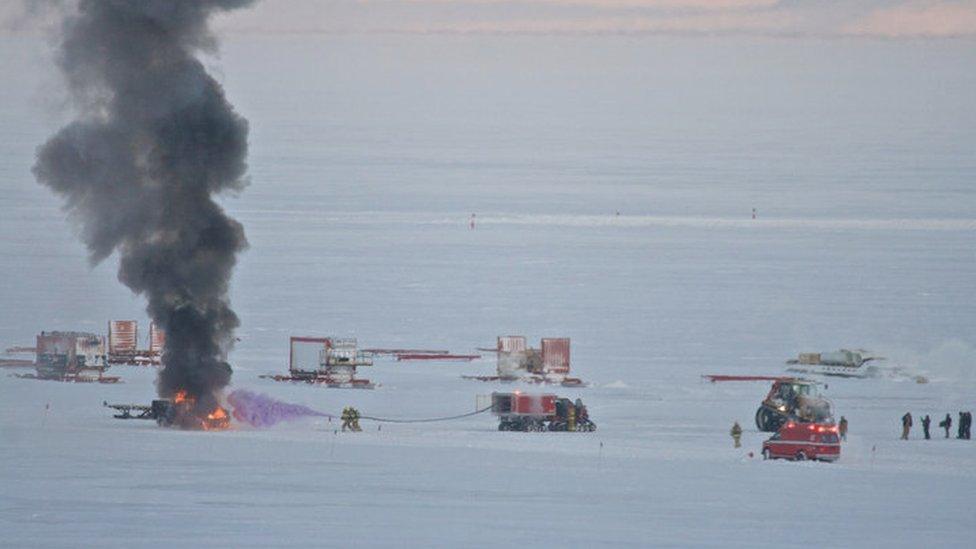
column 792, row 399
column 539, row 412
column 179, row 412
column 802, row 441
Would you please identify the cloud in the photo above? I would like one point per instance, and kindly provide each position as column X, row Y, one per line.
column 686, row 24
column 656, row 4
column 918, row 19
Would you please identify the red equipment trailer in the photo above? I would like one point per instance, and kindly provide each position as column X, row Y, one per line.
column 326, row 361
column 516, row 361
column 539, row 412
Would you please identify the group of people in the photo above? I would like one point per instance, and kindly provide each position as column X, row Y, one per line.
column 350, row 419
column 963, row 428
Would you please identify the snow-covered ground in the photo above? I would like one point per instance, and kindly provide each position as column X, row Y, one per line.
column 357, row 220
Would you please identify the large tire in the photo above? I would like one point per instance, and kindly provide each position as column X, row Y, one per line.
column 767, row 454
column 801, row 456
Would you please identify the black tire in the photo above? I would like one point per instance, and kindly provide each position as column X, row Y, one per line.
column 801, row 456
column 766, row 454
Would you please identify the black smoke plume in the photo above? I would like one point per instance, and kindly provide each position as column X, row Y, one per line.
column 153, row 141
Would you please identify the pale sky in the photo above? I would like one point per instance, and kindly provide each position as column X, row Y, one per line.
column 839, row 18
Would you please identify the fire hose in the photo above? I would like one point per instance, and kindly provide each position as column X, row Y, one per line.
column 425, row 420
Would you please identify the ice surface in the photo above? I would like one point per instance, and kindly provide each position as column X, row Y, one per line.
column 368, row 157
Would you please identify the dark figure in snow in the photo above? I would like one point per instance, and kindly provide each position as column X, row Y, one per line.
column 969, row 424
column 350, row 419
column 965, row 425
column 736, row 433
column 961, row 428
column 906, row 425
column 946, row 424
column 842, row 428
column 926, row 421
column 582, row 415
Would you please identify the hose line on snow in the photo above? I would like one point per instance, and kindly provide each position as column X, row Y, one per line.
column 425, row 420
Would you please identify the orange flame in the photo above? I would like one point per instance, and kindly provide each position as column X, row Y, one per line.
column 216, row 420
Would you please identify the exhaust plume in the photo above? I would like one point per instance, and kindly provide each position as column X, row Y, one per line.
column 263, row 411
column 154, row 139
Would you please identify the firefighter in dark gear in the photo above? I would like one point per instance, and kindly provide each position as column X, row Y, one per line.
column 906, row 425
column 350, row 419
column 736, row 433
column 962, row 424
column 842, row 428
column 946, row 424
column 926, row 421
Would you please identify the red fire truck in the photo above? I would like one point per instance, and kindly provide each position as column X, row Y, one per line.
column 802, row 441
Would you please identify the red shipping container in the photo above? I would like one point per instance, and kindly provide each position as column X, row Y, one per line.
column 122, row 337
column 534, row 404
column 555, row 355
column 509, row 344
column 157, row 339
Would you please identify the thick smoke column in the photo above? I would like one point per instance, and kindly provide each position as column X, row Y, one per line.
column 264, row 411
column 154, row 140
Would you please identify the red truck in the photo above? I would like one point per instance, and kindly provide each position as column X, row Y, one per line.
column 802, row 441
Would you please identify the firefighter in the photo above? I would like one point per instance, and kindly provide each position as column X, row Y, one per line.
column 926, row 421
column 355, row 419
column 582, row 415
column 906, row 425
column 736, row 433
column 842, row 428
column 962, row 424
column 946, row 424
column 350, row 419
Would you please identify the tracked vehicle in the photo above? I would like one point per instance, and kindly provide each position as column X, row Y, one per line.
column 793, row 399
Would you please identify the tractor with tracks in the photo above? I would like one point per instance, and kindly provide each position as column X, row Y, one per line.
column 794, row 399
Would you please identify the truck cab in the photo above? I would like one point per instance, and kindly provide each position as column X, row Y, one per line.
column 802, row 441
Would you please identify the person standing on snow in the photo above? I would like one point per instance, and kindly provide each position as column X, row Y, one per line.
column 736, row 433
column 842, row 428
column 926, row 421
column 350, row 419
column 906, row 425
column 962, row 425
column 946, row 424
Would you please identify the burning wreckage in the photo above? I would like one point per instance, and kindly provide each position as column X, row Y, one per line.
column 180, row 412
